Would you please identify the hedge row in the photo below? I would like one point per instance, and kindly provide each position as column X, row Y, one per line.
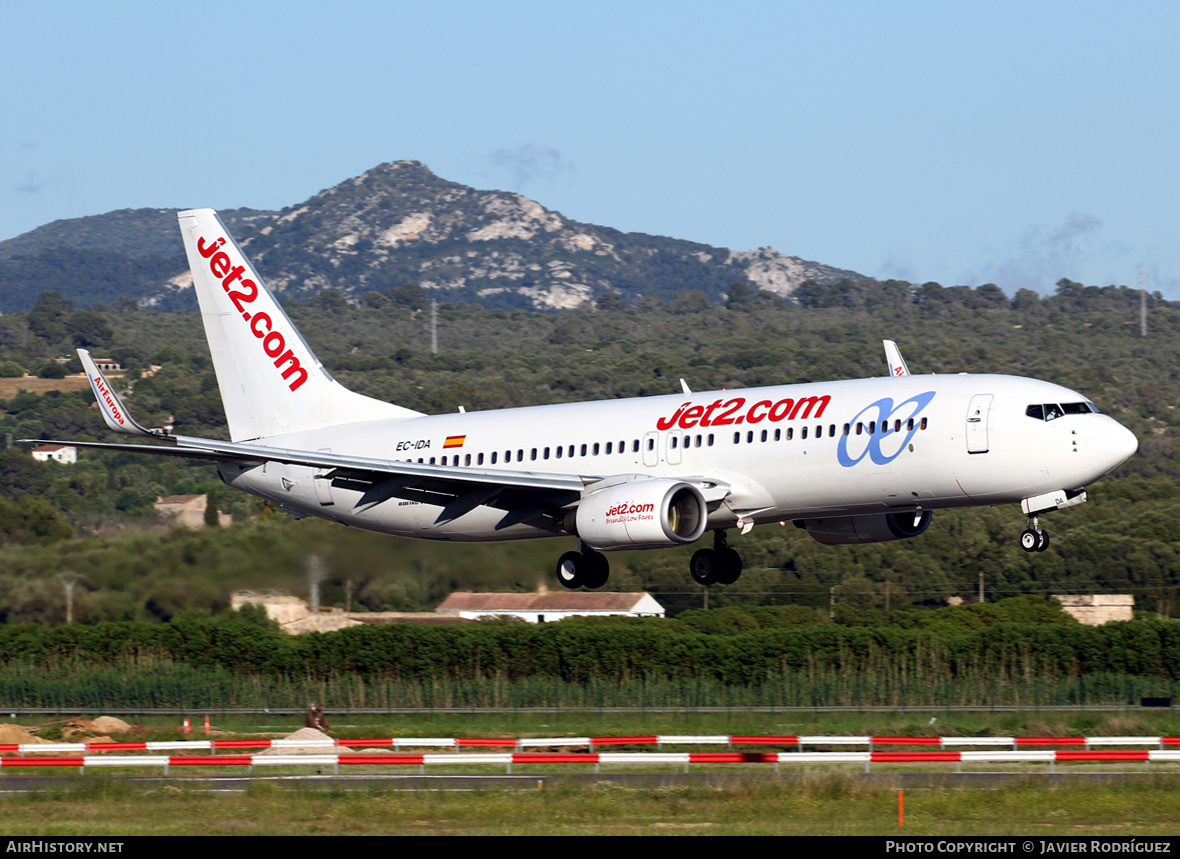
column 579, row 651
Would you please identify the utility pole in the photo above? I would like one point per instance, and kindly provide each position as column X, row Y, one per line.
column 1142, row 304
column 433, row 327
column 981, row 587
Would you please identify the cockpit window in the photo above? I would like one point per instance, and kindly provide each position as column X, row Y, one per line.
column 1052, row 411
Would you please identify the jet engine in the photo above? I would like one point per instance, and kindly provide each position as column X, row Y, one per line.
column 642, row 514
column 877, row 528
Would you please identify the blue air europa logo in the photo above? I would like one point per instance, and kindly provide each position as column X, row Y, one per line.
column 887, row 430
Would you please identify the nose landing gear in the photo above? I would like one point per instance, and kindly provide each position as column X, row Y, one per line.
column 720, row 565
column 1034, row 538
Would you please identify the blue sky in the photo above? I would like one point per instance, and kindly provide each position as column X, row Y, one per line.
column 1015, row 143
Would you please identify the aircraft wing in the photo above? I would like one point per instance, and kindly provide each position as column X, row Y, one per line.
column 535, row 497
column 523, row 495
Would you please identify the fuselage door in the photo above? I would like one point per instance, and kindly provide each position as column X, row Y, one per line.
column 674, row 442
column 977, row 415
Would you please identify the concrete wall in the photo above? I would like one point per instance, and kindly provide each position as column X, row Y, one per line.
column 1097, row 609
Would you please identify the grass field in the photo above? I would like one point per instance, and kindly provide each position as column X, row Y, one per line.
column 10, row 387
column 816, row 805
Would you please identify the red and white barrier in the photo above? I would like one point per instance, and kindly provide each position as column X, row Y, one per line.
column 508, row 759
column 457, row 744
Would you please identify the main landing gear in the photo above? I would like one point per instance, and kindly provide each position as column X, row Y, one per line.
column 720, row 565
column 583, row 569
column 587, row 568
column 1034, row 539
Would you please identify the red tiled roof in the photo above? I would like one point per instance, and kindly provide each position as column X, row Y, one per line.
column 571, row 601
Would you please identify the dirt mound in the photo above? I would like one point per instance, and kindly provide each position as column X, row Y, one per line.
column 305, row 734
column 111, row 725
column 10, row 733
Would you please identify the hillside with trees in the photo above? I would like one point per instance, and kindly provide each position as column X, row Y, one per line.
column 1125, row 540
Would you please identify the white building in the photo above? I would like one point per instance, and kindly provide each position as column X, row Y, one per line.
column 63, row 453
column 1097, row 609
column 546, row 607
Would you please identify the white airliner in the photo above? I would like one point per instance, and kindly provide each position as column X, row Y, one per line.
column 856, row 461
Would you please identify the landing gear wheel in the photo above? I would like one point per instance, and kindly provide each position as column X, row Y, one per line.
column 720, row 565
column 730, row 563
column 597, row 569
column 703, row 567
column 570, row 568
column 585, row 569
column 1030, row 540
column 1043, row 544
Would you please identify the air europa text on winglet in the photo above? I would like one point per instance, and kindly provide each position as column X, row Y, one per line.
column 100, row 385
column 274, row 344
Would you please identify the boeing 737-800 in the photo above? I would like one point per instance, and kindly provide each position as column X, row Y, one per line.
column 855, row 461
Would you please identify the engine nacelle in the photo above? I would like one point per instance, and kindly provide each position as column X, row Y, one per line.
column 642, row 514
column 877, row 528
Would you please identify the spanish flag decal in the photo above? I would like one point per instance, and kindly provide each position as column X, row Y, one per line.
column 454, row 441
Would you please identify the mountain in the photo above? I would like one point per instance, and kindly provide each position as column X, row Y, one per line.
column 397, row 223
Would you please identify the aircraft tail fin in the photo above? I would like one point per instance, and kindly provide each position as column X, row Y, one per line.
column 893, row 358
column 271, row 382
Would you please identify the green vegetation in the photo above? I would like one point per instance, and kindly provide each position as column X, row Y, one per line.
column 747, row 657
column 1125, row 540
column 815, row 804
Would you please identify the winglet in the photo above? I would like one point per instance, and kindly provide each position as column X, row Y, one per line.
column 893, row 358
column 109, row 405
column 684, row 387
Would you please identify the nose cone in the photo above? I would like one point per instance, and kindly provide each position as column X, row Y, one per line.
column 1113, row 445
